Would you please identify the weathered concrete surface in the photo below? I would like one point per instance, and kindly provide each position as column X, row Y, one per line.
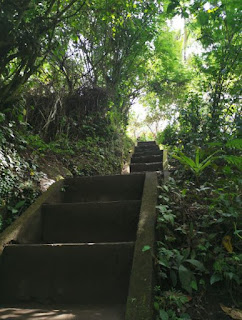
column 85, row 273
column 147, row 159
column 141, row 149
column 66, row 273
column 112, row 221
column 142, row 167
column 140, row 297
column 28, row 228
column 63, row 312
column 147, row 153
column 145, row 143
column 106, row 188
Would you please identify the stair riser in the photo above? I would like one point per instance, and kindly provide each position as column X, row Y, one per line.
column 150, row 149
column 141, row 167
column 109, row 188
column 146, row 143
column 66, row 274
column 148, row 153
column 147, row 159
column 90, row 222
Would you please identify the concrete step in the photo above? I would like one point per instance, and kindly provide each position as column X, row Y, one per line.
column 142, row 167
column 148, row 153
column 66, row 273
column 146, row 159
column 146, row 148
column 90, row 222
column 146, row 143
column 62, row 312
column 103, row 188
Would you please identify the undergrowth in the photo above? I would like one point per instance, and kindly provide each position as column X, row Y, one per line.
column 199, row 231
column 25, row 157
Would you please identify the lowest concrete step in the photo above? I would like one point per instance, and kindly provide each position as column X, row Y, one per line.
column 146, row 159
column 103, row 188
column 90, row 222
column 66, row 273
column 142, row 167
column 62, row 312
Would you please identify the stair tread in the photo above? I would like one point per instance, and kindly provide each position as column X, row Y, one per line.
column 145, row 163
column 142, row 167
column 63, row 312
column 66, row 273
column 69, row 244
column 68, row 204
column 147, row 152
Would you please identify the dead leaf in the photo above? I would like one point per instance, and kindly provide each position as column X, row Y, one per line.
column 227, row 244
column 233, row 313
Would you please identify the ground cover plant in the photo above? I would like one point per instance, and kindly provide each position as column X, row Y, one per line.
column 199, row 247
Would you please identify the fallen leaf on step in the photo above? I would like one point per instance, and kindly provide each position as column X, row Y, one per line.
column 233, row 313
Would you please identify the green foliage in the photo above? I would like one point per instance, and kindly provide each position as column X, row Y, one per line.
column 180, row 267
column 103, row 151
column 235, row 143
column 168, row 302
column 208, row 107
column 18, row 178
column 195, row 222
column 234, row 160
column 30, row 30
column 196, row 166
column 168, row 136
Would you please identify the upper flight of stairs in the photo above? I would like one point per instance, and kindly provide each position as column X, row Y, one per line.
column 147, row 157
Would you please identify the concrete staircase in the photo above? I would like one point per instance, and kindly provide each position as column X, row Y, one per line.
column 84, row 248
column 147, row 157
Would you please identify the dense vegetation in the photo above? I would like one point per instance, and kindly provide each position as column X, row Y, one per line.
column 69, row 73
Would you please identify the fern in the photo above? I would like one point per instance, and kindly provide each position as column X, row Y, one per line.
column 234, row 160
column 235, row 143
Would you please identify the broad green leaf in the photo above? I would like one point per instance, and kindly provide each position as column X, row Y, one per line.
column 20, row 204
column 156, row 306
column 164, row 315
column 215, row 278
column 194, row 284
column 173, row 277
column 197, row 264
column 146, row 248
column 185, row 277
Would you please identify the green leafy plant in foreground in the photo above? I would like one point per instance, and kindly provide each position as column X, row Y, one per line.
column 193, row 221
column 196, row 166
column 169, row 300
